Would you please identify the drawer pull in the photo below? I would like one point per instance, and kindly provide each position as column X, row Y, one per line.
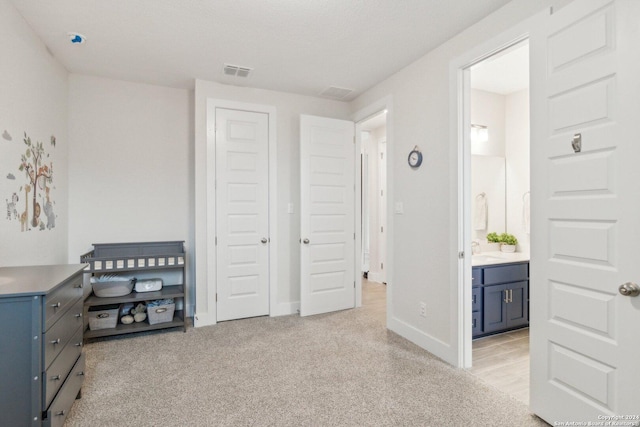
column 78, row 344
column 56, row 305
column 54, row 342
column 78, row 286
column 55, row 378
column 81, row 373
column 59, row 413
column 79, row 315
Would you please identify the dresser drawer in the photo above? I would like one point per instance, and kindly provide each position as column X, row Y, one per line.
column 59, row 334
column 59, row 369
column 476, row 276
column 61, row 300
column 59, row 409
column 476, row 299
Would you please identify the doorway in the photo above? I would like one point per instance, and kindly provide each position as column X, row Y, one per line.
column 499, row 214
column 373, row 156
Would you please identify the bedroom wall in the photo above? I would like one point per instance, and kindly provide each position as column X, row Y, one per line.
column 425, row 235
column 33, row 88
column 288, row 109
column 130, row 165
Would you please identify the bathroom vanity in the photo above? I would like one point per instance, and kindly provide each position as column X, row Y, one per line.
column 500, row 293
column 41, row 358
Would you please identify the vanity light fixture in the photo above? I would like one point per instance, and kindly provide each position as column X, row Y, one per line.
column 479, row 133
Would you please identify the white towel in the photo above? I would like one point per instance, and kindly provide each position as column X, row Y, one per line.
column 526, row 212
column 480, row 215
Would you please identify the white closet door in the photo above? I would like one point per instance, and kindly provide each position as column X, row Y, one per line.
column 327, row 152
column 242, row 214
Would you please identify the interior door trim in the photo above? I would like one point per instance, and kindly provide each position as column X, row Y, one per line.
column 211, row 267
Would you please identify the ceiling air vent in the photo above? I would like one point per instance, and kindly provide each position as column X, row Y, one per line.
column 336, row 92
column 236, row 70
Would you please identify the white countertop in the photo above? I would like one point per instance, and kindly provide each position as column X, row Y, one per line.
column 497, row 257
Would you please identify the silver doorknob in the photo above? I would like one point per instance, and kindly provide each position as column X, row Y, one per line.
column 305, row 241
column 629, row 289
column 264, row 240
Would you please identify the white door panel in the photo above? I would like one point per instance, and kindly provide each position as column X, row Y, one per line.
column 586, row 212
column 242, row 219
column 327, row 215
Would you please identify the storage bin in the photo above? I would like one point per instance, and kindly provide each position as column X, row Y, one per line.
column 103, row 316
column 116, row 288
column 160, row 313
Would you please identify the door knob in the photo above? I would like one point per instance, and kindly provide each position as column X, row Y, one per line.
column 305, row 241
column 629, row 289
column 264, row 240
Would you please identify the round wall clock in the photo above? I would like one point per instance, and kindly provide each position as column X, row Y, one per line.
column 415, row 158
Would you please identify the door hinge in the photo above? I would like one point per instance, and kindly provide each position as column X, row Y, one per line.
column 354, row 236
column 381, row 156
column 382, row 229
column 382, row 266
column 216, row 297
column 461, row 254
column 354, row 139
column 354, row 283
column 381, row 192
column 216, row 240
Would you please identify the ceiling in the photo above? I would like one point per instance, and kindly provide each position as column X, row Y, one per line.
column 298, row 46
column 503, row 73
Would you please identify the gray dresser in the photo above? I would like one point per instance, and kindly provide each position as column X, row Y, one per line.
column 41, row 359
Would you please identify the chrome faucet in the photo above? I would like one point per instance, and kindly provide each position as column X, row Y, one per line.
column 475, row 247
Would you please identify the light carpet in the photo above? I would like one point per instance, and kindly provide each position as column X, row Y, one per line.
column 339, row 369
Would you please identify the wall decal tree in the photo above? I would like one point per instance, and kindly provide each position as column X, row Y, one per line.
column 38, row 174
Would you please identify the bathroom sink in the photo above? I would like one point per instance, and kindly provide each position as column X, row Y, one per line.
column 484, row 258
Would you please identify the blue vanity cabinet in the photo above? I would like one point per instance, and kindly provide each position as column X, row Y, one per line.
column 476, row 307
column 504, row 298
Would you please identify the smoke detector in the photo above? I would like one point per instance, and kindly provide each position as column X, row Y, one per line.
column 76, row 38
column 236, row 70
column 336, row 92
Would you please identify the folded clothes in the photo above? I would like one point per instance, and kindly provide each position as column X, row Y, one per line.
column 159, row 302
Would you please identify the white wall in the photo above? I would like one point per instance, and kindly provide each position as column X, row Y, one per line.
column 488, row 177
column 130, row 164
column 33, row 99
column 426, row 235
column 288, row 109
column 488, row 109
column 518, row 171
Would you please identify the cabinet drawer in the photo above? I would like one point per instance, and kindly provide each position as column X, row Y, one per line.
column 505, row 274
column 61, row 366
column 57, row 337
column 61, row 300
column 59, row 409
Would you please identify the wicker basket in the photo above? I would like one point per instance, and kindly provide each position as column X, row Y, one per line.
column 161, row 313
column 103, row 316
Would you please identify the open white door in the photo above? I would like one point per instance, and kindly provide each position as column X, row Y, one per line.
column 585, row 86
column 327, row 182
column 242, row 214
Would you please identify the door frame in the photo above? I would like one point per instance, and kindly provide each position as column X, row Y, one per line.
column 460, row 121
column 385, row 103
column 212, row 285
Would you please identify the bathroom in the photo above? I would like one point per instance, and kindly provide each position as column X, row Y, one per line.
column 499, row 199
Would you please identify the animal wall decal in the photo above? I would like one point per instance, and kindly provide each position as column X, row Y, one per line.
column 37, row 166
column 12, row 207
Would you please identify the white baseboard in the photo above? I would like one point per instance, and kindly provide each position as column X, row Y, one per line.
column 423, row 340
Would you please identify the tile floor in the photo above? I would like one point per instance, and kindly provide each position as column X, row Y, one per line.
column 503, row 362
